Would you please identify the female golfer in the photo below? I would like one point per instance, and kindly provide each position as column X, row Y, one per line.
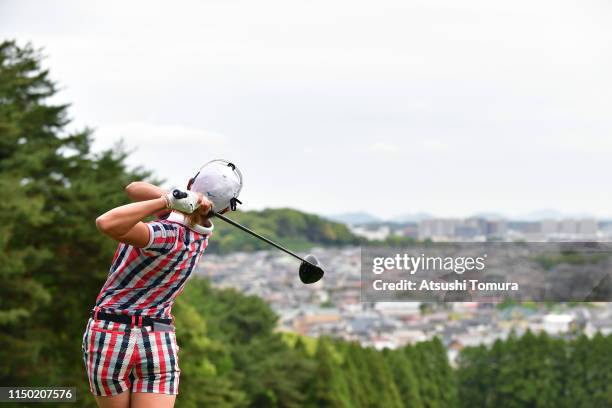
column 129, row 345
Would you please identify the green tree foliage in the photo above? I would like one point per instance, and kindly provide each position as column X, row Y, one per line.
column 329, row 387
column 232, row 356
column 405, row 377
column 589, row 381
column 435, row 378
column 349, row 375
column 537, row 371
column 249, row 353
column 206, row 363
column 357, row 375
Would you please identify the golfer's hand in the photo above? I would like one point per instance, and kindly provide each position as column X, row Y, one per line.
column 204, row 205
column 183, row 201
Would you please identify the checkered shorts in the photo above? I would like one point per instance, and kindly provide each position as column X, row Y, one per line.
column 119, row 357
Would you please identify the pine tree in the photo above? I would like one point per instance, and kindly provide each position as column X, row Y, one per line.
column 474, row 377
column 52, row 259
column 404, row 377
column 385, row 393
column 357, row 377
column 329, row 388
column 445, row 378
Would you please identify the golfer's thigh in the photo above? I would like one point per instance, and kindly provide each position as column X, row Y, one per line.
column 152, row 400
column 116, row 401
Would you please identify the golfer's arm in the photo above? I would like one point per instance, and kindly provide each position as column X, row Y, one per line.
column 142, row 191
column 124, row 223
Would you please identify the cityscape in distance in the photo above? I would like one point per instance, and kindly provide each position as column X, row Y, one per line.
column 333, row 306
column 539, row 226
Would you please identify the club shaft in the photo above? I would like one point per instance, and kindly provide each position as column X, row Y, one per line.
column 256, row 235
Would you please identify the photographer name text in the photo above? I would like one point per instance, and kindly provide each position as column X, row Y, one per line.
column 432, row 285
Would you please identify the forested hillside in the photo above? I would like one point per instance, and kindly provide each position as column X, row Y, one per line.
column 537, row 371
column 292, row 228
column 231, row 357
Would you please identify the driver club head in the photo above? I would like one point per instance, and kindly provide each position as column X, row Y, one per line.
column 310, row 271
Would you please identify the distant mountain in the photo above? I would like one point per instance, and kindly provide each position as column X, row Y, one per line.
column 354, row 218
column 416, row 217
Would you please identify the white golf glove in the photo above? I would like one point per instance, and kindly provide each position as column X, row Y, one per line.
column 183, row 201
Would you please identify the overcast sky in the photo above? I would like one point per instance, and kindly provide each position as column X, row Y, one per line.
column 443, row 106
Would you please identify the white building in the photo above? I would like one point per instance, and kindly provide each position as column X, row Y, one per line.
column 569, row 229
column 557, row 323
column 441, row 229
column 379, row 233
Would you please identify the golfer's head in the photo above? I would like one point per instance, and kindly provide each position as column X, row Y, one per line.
column 219, row 181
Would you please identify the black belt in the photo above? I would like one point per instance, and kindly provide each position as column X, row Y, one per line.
column 127, row 319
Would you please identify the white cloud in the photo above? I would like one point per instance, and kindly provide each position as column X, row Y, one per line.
column 435, row 145
column 385, row 148
column 139, row 133
column 173, row 151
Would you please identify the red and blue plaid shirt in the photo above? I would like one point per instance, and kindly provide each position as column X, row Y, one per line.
column 145, row 281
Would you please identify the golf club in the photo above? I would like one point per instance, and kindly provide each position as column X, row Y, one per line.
column 310, row 270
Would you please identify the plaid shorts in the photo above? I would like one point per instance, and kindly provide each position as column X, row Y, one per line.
column 119, row 357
